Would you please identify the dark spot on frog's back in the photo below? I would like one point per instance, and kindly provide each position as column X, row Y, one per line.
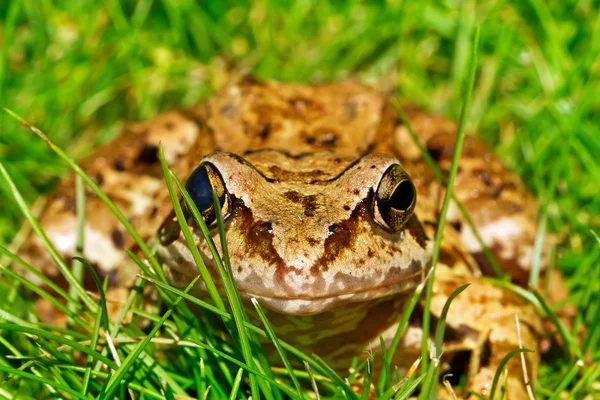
column 148, row 155
column 323, row 138
column 119, row 165
column 117, row 238
column 309, row 202
column 264, row 131
column 98, row 178
column 350, row 110
column 312, row 241
column 227, row 109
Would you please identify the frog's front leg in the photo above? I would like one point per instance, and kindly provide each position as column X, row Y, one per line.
column 480, row 331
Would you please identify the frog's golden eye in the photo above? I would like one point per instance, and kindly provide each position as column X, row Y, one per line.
column 201, row 183
column 395, row 199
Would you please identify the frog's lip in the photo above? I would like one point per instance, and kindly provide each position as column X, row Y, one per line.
column 365, row 290
column 306, row 304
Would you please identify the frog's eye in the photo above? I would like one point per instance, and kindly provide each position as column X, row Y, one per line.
column 395, row 199
column 201, row 183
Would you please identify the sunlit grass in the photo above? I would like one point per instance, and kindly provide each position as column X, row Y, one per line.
column 79, row 69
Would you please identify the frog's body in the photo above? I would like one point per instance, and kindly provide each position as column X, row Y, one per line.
column 304, row 172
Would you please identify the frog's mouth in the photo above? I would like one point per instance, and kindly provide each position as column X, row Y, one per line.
column 310, row 304
column 291, row 301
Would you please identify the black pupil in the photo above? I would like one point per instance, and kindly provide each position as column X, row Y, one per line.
column 403, row 196
column 200, row 190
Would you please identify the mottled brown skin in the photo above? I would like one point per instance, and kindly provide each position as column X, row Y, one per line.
column 301, row 165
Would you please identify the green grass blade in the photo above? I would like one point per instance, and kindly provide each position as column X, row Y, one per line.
column 95, row 334
column 500, row 368
column 101, row 291
column 117, row 377
column 236, row 384
column 460, row 137
column 64, row 269
column 277, row 345
column 230, row 289
column 59, row 339
column 105, row 199
column 48, row 382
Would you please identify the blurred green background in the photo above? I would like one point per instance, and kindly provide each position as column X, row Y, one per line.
column 79, row 69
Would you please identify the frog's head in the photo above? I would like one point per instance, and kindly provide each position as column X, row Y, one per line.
column 305, row 233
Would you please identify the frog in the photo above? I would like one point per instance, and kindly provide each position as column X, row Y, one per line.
column 329, row 210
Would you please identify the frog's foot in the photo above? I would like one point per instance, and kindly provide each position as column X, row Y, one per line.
column 483, row 329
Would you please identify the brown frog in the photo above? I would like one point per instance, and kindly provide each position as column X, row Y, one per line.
column 329, row 211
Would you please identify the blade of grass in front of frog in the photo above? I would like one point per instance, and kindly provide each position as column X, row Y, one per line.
column 501, row 366
column 62, row 266
column 409, row 388
column 339, row 382
column 536, row 258
column 460, row 138
column 202, row 268
column 120, row 372
column 480, row 397
column 89, row 361
column 318, row 366
column 402, row 324
column 233, row 296
column 210, row 285
column 238, row 316
column 503, row 386
column 252, row 371
column 47, row 382
column 441, row 326
column 236, row 384
column 526, row 294
column 102, row 196
column 428, row 390
column 386, row 367
column 590, row 378
column 45, row 295
column 571, row 373
column 490, row 257
column 77, row 267
column 167, row 288
column 100, row 287
column 313, row 381
column 569, row 342
column 277, row 345
column 257, row 348
column 60, row 339
column 367, row 377
column 136, row 293
column 17, row 355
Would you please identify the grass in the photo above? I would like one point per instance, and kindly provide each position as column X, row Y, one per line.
column 77, row 70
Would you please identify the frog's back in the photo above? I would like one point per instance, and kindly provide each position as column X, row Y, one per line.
column 347, row 119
